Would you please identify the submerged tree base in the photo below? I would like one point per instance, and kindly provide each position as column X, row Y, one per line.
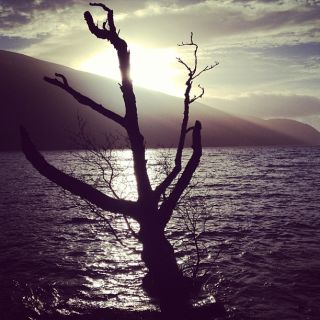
column 156, row 200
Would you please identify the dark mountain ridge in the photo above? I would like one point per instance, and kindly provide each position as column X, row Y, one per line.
column 51, row 115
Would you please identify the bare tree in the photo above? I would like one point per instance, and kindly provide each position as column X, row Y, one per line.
column 154, row 207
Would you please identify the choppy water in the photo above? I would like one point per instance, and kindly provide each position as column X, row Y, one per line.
column 264, row 215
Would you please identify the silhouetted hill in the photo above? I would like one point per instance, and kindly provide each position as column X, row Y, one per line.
column 50, row 114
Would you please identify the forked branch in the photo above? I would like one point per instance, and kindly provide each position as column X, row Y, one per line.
column 206, row 68
column 198, row 96
column 109, row 33
column 131, row 117
column 171, row 201
column 192, row 74
column 105, row 33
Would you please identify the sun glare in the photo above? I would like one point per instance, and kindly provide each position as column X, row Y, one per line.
column 151, row 68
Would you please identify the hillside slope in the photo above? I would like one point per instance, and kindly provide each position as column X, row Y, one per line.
column 51, row 115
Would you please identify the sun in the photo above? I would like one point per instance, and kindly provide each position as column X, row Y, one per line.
column 151, row 68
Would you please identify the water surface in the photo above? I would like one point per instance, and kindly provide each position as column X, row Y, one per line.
column 264, row 218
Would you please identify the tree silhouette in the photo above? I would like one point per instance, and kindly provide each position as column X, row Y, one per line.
column 152, row 210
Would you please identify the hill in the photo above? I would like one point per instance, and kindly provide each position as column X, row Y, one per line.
column 51, row 115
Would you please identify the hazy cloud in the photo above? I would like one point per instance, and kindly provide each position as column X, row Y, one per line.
column 300, row 50
column 19, row 12
column 168, row 18
column 18, row 43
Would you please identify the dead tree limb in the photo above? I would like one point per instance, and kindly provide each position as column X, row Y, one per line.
column 131, row 116
column 192, row 74
column 170, row 202
column 75, row 186
column 85, row 100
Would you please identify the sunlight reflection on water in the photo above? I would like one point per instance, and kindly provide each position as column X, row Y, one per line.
column 265, row 202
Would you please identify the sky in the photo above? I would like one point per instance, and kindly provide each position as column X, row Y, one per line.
column 268, row 50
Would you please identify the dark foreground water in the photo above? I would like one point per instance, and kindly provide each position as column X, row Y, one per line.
column 264, row 217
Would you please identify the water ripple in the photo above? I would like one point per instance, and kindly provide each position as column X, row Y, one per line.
column 265, row 216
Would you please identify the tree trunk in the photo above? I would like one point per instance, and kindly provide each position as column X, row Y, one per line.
column 164, row 280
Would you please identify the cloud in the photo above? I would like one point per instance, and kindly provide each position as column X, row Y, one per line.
column 168, row 20
column 294, row 51
column 11, row 18
column 16, row 13
column 224, row 22
column 19, row 12
column 18, row 43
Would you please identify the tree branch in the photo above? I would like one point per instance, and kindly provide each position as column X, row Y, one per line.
column 192, row 74
column 75, row 186
column 109, row 15
column 111, row 35
column 169, row 204
column 131, row 117
column 185, row 64
column 83, row 99
column 207, row 68
column 94, row 29
column 198, row 96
